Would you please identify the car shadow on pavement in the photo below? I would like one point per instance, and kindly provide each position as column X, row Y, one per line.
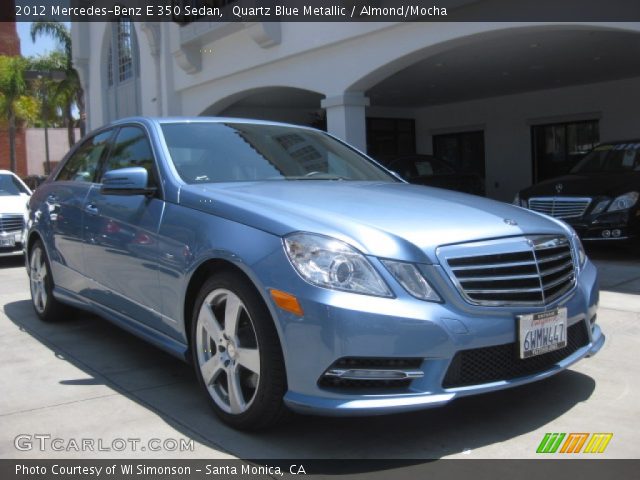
column 168, row 387
column 11, row 261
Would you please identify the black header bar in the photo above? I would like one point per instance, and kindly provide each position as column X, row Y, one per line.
column 186, row 11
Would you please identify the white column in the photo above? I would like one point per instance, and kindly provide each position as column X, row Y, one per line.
column 346, row 118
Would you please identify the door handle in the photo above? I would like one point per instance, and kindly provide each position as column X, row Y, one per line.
column 91, row 209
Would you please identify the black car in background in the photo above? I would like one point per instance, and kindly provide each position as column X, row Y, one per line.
column 599, row 197
column 434, row 172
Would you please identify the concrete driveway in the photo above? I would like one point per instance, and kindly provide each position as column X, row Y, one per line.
column 86, row 379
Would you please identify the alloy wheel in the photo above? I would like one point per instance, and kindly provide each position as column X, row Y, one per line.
column 37, row 278
column 227, row 351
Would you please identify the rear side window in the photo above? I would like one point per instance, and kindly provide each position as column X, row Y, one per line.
column 132, row 149
column 83, row 164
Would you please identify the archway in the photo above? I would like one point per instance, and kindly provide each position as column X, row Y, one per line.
column 281, row 104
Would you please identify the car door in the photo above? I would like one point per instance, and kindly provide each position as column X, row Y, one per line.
column 120, row 235
column 61, row 212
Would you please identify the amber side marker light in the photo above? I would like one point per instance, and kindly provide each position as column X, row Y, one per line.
column 287, row 302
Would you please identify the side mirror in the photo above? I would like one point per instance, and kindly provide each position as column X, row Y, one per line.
column 126, row 181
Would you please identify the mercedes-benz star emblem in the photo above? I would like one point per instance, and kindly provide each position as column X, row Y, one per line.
column 559, row 187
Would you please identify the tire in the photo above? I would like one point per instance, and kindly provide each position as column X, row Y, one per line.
column 41, row 286
column 236, row 353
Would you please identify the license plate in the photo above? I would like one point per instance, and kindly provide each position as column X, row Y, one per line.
column 542, row 332
column 8, row 242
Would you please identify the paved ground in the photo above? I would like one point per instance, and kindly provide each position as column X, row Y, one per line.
column 84, row 378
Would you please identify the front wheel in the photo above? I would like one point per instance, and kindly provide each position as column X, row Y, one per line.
column 237, row 354
column 41, row 284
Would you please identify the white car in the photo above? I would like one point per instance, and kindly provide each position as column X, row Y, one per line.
column 14, row 195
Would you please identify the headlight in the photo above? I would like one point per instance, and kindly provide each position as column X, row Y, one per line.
column 623, row 202
column 412, row 280
column 579, row 248
column 330, row 263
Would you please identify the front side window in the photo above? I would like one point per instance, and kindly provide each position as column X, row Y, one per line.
column 131, row 148
column 235, row 152
column 83, row 164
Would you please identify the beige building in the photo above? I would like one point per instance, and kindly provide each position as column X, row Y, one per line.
column 516, row 102
column 36, row 153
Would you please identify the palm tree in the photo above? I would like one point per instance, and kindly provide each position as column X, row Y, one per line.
column 70, row 87
column 56, row 106
column 15, row 104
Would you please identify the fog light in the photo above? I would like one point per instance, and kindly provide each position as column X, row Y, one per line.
column 606, row 233
column 361, row 374
column 616, row 232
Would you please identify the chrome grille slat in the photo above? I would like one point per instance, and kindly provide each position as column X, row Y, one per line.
column 560, row 207
column 551, row 271
column 560, row 280
column 554, row 257
column 559, row 293
column 11, row 222
column 496, row 278
column 505, row 290
column 499, row 273
column 494, row 265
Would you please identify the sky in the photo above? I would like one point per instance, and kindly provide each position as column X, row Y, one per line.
column 42, row 45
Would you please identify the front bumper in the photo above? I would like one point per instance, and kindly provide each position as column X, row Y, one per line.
column 11, row 243
column 614, row 226
column 338, row 325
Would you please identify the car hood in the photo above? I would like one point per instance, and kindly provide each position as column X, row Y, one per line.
column 587, row 185
column 389, row 220
column 13, row 204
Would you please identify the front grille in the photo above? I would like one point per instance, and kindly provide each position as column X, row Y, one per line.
column 502, row 362
column 560, row 207
column 532, row 270
column 11, row 222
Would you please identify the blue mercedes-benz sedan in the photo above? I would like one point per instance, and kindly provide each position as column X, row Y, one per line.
column 296, row 273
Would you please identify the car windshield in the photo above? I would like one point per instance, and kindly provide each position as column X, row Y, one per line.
column 206, row 152
column 622, row 157
column 421, row 166
column 9, row 185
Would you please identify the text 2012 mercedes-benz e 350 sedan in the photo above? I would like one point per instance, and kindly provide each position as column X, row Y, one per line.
column 298, row 274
